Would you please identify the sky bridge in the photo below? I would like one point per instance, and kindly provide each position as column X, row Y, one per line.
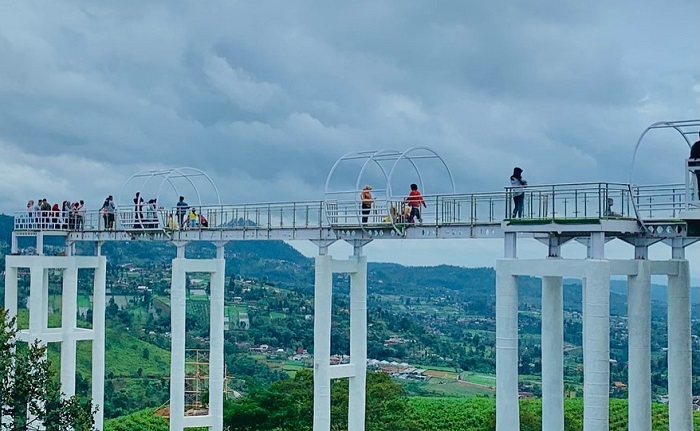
column 619, row 210
column 641, row 215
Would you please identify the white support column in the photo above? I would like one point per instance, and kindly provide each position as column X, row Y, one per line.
column 358, row 343
column 510, row 245
column 11, row 290
column 11, row 307
column 322, row 342
column 552, row 354
column 37, row 306
column 216, row 343
column 69, row 311
column 38, row 310
column 507, row 408
column 68, row 334
column 596, row 354
column 679, row 349
column 98, row 343
column 14, row 247
column 40, row 244
column 639, row 328
column 177, row 342
column 45, row 300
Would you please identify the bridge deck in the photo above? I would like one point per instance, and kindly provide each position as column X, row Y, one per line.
column 567, row 209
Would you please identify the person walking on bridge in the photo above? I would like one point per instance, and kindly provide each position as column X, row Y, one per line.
column 367, row 201
column 517, row 184
column 182, row 211
column 415, row 200
column 108, row 210
column 694, row 162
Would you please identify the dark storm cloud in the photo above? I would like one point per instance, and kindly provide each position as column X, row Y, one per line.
column 265, row 96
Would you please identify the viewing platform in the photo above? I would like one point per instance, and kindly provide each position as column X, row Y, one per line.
column 619, row 210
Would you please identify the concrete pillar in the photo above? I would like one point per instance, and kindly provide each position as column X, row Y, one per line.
column 322, row 342
column 38, row 313
column 99, row 303
column 639, row 363
column 596, row 354
column 14, row 247
column 11, row 290
column 507, row 409
column 216, row 343
column 552, row 354
column 679, row 350
column 69, row 311
column 510, row 245
column 11, row 307
column 358, row 343
column 44, row 315
column 68, row 334
column 177, row 344
column 40, row 243
column 37, row 305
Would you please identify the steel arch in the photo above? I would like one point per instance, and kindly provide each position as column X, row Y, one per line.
column 678, row 126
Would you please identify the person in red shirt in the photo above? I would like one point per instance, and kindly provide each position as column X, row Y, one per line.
column 415, row 200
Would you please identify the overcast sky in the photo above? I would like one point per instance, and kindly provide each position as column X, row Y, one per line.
column 265, row 96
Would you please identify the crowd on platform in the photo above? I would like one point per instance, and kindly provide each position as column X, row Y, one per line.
column 69, row 215
column 145, row 215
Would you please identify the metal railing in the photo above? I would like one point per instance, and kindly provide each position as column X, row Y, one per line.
column 661, row 201
column 571, row 201
column 440, row 210
column 540, row 202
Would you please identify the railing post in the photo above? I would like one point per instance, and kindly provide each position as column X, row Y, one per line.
column 437, row 214
column 554, row 202
column 509, row 210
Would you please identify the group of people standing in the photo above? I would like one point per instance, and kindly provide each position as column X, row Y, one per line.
column 145, row 213
column 69, row 215
column 410, row 208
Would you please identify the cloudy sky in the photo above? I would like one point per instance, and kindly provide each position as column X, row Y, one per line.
column 265, row 96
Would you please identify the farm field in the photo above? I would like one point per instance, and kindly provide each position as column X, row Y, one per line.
column 478, row 414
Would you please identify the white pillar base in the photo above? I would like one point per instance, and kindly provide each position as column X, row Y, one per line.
column 356, row 370
column 507, row 408
column 680, row 406
column 68, row 334
column 178, row 303
column 639, row 341
column 358, row 345
column 596, row 355
column 552, row 353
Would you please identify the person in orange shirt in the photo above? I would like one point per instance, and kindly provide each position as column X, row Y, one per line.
column 367, row 201
column 415, row 200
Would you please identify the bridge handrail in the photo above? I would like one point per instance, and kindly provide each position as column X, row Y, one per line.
column 586, row 200
column 572, row 201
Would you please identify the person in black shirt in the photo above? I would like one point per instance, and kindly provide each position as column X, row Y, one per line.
column 695, row 154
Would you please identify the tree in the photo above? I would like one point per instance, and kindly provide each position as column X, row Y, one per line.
column 30, row 392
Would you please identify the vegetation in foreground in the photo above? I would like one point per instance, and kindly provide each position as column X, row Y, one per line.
column 287, row 405
column 30, row 392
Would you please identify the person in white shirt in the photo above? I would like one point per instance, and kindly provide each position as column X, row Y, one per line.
column 518, row 184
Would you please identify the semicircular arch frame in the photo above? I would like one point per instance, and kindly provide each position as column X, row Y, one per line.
column 170, row 177
column 386, row 161
column 684, row 127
